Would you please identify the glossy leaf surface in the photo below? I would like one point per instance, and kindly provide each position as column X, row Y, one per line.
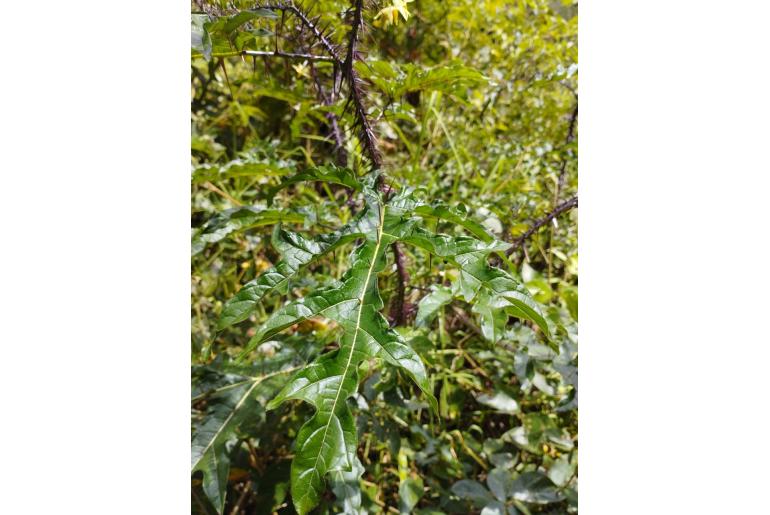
column 297, row 252
column 327, row 442
column 329, row 173
column 238, row 219
column 234, row 400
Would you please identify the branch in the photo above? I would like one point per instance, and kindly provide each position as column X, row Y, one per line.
column 356, row 95
column 287, row 55
column 339, row 142
column 561, row 208
column 308, row 23
column 570, row 135
column 242, row 498
column 397, row 311
column 261, row 53
column 368, row 139
column 341, row 155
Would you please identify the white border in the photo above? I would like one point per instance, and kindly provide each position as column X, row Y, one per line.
column 95, row 257
column 674, row 111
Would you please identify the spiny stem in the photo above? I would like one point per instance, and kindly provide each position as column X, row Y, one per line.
column 290, row 7
column 570, row 136
column 356, row 93
column 397, row 312
column 561, row 208
column 262, row 53
column 288, row 55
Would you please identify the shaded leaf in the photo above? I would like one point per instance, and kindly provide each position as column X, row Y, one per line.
column 238, row 219
column 503, row 460
column 236, row 168
column 560, row 471
column 500, row 483
column 430, row 305
column 346, row 485
column 473, row 491
column 229, row 407
column 201, row 40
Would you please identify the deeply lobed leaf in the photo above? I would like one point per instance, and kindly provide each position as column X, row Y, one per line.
column 328, row 173
column 327, row 442
column 238, row 219
column 233, row 400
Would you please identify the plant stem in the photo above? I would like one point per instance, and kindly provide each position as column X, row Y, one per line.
column 397, row 310
column 561, row 208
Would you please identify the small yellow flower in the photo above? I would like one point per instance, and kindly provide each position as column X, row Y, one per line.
column 261, row 264
column 302, row 69
column 390, row 14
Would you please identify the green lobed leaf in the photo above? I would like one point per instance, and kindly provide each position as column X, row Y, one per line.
column 491, row 313
column 346, row 485
column 405, row 203
column 442, row 78
column 498, row 289
column 297, row 252
column 327, row 173
column 430, row 305
column 238, row 219
column 494, row 293
column 444, row 212
column 235, row 21
column 201, row 40
column 230, row 406
column 326, row 444
column 396, row 81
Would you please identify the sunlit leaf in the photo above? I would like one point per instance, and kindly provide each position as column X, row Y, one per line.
column 500, row 401
column 329, row 173
column 409, row 493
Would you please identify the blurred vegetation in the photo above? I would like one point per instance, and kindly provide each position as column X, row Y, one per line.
column 474, row 104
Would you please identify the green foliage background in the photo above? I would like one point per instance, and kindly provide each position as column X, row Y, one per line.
column 474, row 105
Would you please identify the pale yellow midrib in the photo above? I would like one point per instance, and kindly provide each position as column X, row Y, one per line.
column 355, row 336
column 257, row 381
